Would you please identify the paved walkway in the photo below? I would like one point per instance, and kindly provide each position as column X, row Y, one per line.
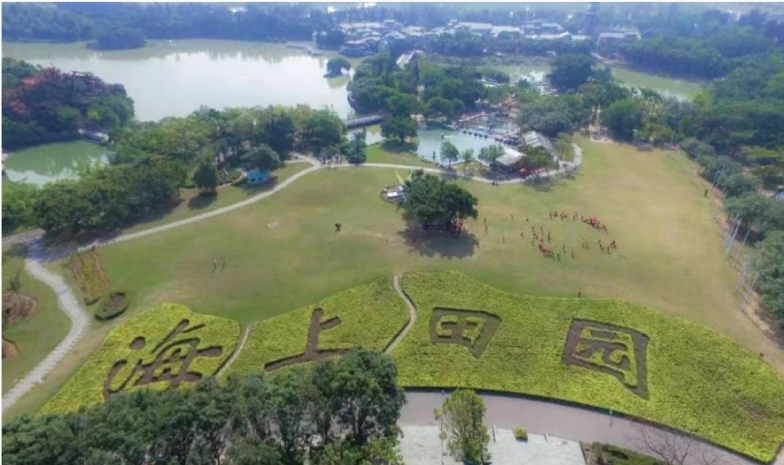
column 411, row 312
column 68, row 303
column 572, row 423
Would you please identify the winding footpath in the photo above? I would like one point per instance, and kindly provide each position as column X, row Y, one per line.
column 411, row 311
column 68, row 303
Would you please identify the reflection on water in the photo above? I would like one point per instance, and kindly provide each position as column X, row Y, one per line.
column 430, row 141
column 174, row 78
column 52, row 162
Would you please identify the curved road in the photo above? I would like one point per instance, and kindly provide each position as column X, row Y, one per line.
column 573, row 423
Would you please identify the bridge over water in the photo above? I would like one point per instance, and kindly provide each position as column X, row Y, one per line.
column 364, row 121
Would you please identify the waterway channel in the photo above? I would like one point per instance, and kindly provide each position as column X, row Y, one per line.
column 174, row 78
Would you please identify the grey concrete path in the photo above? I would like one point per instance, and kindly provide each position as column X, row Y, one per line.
column 70, row 305
column 572, row 423
column 411, row 312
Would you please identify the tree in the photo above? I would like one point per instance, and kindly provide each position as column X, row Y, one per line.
column 18, row 202
column 262, row 158
column 563, row 147
column 750, row 208
column 206, row 176
column 356, row 148
column 468, row 157
column 536, row 158
column 770, row 265
column 438, row 106
column 491, row 154
column 671, row 447
column 463, row 419
column 623, row 118
column 430, row 201
column 399, row 128
column 571, row 71
column 449, row 152
column 335, row 66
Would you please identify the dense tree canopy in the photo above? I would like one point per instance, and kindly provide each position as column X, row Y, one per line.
column 118, row 39
column 341, row 412
column 623, row 118
column 432, row 202
column 335, row 66
column 571, row 71
column 44, row 104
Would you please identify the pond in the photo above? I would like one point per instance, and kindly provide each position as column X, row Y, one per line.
column 53, row 162
column 430, row 141
column 667, row 87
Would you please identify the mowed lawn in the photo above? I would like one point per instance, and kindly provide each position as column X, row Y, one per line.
column 282, row 253
column 192, row 204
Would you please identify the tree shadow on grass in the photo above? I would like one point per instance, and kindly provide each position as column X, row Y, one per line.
column 200, row 202
column 253, row 189
column 439, row 243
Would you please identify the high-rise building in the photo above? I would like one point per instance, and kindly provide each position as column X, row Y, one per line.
column 592, row 20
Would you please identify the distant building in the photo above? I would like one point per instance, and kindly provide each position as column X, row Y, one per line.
column 482, row 29
column 779, row 195
column 533, row 139
column 510, row 159
column 592, row 19
column 618, row 36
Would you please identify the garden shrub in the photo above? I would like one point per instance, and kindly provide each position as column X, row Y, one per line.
column 521, row 434
column 86, row 268
column 86, row 387
column 112, row 305
column 479, row 325
column 698, row 380
column 370, row 316
column 607, row 454
column 440, row 331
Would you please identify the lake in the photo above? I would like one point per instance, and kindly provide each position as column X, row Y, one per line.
column 53, row 162
column 174, row 78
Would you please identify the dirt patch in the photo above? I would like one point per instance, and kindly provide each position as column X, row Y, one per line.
column 312, row 352
column 614, row 350
column 472, row 329
column 9, row 349
column 169, row 361
column 17, row 307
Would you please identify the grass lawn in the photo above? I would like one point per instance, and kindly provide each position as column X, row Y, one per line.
column 376, row 154
column 36, row 335
column 191, row 203
column 282, row 253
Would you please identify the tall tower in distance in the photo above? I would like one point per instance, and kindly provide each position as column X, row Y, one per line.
column 592, row 20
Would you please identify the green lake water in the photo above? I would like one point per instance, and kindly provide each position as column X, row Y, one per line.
column 174, row 78
column 52, row 162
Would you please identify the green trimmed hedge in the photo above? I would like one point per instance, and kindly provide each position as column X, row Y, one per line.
column 521, row 434
column 698, row 380
column 370, row 316
column 86, row 386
